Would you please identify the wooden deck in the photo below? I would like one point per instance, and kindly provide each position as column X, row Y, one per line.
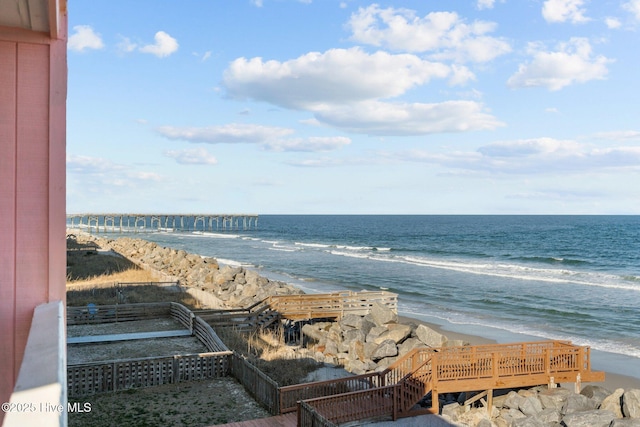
column 397, row 389
column 333, row 305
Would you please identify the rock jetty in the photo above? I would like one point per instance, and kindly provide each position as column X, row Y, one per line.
column 595, row 406
column 231, row 286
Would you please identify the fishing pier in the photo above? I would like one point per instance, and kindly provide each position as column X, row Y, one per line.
column 137, row 222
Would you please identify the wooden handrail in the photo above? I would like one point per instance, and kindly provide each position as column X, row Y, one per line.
column 470, row 368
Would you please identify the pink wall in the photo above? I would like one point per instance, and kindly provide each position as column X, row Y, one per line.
column 33, row 86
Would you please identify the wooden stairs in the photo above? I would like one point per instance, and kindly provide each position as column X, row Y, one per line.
column 397, row 390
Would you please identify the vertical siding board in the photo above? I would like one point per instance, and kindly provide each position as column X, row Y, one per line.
column 8, row 58
column 57, row 164
column 32, row 174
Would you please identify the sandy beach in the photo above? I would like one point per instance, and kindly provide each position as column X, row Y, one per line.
column 612, row 382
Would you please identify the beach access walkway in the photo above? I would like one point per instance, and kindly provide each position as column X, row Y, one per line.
column 334, row 305
column 395, row 392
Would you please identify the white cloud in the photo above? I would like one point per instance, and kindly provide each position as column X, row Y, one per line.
column 461, row 75
column 84, row 38
column 633, row 7
column 98, row 171
column 541, row 156
column 87, row 164
column 381, row 118
column 311, row 144
column 485, row 4
column 444, row 34
column 571, row 63
column 164, row 45
column 530, row 147
column 233, row 133
column 126, row 45
column 336, row 76
column 564, row 10
column 192, row 156
column 612, row 23
column 270, row 138
column 624, row 135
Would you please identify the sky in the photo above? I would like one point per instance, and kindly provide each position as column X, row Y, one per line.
column 354, row 107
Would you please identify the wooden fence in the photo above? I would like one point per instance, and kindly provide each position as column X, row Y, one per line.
column 117, row 313
column 207, row 336
column 117, row 375
column 257, row 383
column 309, row 417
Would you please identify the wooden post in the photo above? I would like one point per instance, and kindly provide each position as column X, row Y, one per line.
column 397, row 394
column 435, row 404
column 494, row 365
column 489, row 402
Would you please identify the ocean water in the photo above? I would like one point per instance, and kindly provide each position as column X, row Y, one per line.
column 510, row 278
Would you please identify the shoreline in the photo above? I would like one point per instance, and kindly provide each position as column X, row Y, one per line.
column 612, row 381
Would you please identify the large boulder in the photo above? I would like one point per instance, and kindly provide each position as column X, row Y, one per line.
column 395, row 332
column 530, row 421
column 409, row 344
column 315, row 331
column 513, row 400
column 429, row 337
column 591, row 418
column 578, row 403
column 626, row 422
column 613, row 403
column 386, row 348
column 351, row 321
column 530, row 405
column 380, row 314
column 554, row 398
column 596, row 392
column 227, row 274
column 631, row 403
column 375, row 332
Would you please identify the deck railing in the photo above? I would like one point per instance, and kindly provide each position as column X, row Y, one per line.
column 257, row 383
column 457, row 369
column 331, row 305
column 308, row 416
column 41, row 381
column 290, row 395
column 358, row 405
column 236, row 317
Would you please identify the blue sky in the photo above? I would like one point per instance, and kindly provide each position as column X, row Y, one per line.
column 354, row 107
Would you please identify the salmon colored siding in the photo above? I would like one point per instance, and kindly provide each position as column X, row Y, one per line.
column 8, row 60
column 33, row 90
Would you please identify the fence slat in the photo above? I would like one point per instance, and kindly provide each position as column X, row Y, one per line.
column 100, row 377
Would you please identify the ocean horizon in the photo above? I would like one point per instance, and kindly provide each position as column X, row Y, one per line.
column 504, row 277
